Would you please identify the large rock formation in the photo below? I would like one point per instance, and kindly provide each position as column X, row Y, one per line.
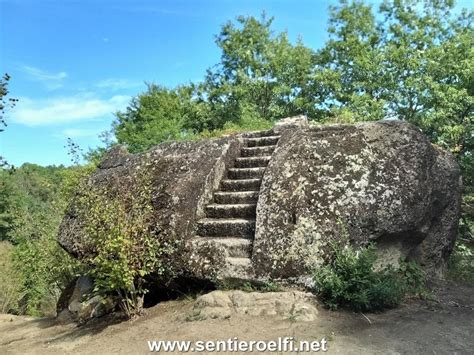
column 380, row 182
column 185, row 175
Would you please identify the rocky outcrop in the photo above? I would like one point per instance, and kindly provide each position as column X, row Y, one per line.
column 229, row 226
column 292, row 305
column 185, row 175
column 266, row 204
column 80, row 305
column 380, row 182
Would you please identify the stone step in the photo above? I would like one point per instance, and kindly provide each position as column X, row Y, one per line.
column 252, row 162
column 237, row 268
column 241, row 185
column 257, row 151
column 246, row 173
column 231, row 211
column 233, row 247
column 261, row 141
column 236, row 197
column 232, row 227
column 256, row 134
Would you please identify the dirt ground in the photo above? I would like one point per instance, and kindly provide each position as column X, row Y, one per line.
column 444, row 325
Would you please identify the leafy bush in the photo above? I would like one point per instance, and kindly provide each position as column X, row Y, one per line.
column 244, row 125
column 461, row 262
column 119, row 230
column 350, row 280
column 45, row 269
column 32, row 202
column 9, row 280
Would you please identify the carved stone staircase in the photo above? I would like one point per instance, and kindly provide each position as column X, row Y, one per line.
column 230, row 218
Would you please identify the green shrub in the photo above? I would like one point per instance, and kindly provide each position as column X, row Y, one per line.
column 245, row 124
column 9, row 280
column 350, row 280
column 32, row 203
column 45, row 270
column 461, row 262
column 120, row 232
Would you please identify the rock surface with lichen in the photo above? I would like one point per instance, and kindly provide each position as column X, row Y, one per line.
column 183, row 176
column 291, row 305
column 380, row 182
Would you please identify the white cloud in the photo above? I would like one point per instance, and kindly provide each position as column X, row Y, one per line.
column 117, row 84
column 50, row 80
column 81, row 132
column 85, row 107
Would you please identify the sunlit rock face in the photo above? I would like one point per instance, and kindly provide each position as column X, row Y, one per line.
column 184, row 176
column 266, row 204
column 380, row 182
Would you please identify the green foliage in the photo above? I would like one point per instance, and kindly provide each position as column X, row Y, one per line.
column 152, row 117
column 45, row 270
column 32, row 202
column 415, row 63
column 29, row 201
column 405, row 60
column 260, row 74
column 5, row 104
column 270, row 286
column 350, row 73
column 120, row 231
column 461, row 262
column 243, row 125
column 261, row 77
column 350, row 280
column 9, row 280
column 467, row 217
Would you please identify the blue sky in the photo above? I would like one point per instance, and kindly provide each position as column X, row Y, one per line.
column 75, row 62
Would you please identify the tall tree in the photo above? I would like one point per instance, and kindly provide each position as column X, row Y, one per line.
column 261, row 77
column 415, row 63
column 260, row 74
column 152, row 117
column 350, row 76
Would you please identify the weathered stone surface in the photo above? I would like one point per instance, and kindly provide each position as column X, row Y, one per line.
column 185, row 174
column 294, row 305
column 82, row 306
column 300, row 122
column 382, row 182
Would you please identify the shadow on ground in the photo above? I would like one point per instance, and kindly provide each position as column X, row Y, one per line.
column 442, row 325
